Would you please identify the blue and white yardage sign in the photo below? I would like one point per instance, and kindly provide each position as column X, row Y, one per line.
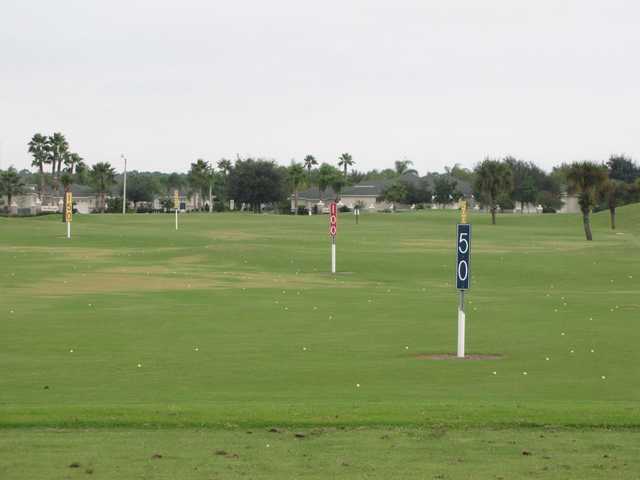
column 463, row 263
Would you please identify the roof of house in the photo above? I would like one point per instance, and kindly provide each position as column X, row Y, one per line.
column 375, row 188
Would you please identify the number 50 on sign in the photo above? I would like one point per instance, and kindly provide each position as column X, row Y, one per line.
column 463, row 264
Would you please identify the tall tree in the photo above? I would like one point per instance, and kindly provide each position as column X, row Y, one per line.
column 326, row 175
column 11, row 185
column 38, row 149
column 142, row 187
column 444, row 189
column 296, row 175
column 58, row 148
column 493, row 179
column 394, row 193
column 224, row 167
column 345, row 161
column 200, row 180
column 623, row 168
column 102, row 177
column 612, row 193
column 402, row 167
column 460, row 173
column 586, row 179
column 338, row 182
column 255, row 182
column 309, row 162
column 175, row 181
column 73, row 172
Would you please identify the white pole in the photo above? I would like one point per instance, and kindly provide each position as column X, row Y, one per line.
column 176, row 219
column 461, row 326
column 124, row 187
column 333, row 254
column 68, row 229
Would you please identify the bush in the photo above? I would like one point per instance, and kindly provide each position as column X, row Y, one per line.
column 344, row 209
column 302, row 210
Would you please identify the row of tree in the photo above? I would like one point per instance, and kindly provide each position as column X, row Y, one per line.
column 495, row 184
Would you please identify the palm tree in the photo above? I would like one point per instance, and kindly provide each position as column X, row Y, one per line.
column 72, row 173
column 402, row 168
column 38, row 148
column 58, row 149
column 11, row 185
column 612, row 193
column 296, row 176
column 200, row 180
column 102, row 177
column 309, row 162
column 73, row 162
column 586, row 179
column 493, row 179
column 345, row 160
column 224, row 166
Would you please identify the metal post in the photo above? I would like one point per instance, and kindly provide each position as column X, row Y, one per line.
column 176, row 219
column 124, row 187
column 333, row 254
column 68, row 229
column 461, row 326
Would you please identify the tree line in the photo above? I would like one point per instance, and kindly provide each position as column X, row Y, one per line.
column 495, row 183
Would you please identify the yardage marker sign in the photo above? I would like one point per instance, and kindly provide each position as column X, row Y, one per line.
column 463, row 263
column 333, row 229
column 68, row 207
column 333, row 219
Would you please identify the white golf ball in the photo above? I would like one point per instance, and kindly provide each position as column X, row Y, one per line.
column 547, row 359
column 495, row 373
column 357, row 385
column 71, row 351
column 524, row 373
column 139, row 365
column 603, row 377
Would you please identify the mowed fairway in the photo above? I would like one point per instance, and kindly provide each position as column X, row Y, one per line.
column 233, row 323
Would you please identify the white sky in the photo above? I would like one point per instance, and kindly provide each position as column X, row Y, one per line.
column 438, row 82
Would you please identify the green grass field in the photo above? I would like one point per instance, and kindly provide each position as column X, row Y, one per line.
column 133, row 339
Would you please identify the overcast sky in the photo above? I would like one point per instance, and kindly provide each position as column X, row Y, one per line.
column 437, row 82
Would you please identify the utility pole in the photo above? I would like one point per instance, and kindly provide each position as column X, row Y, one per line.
column 124, row 186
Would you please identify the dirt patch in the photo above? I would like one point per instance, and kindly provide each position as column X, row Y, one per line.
column 452, row 356
column 157, row 278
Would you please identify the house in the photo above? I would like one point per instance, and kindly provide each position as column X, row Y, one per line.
column 367, row 194
column 25, row 204
column 569, row 203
